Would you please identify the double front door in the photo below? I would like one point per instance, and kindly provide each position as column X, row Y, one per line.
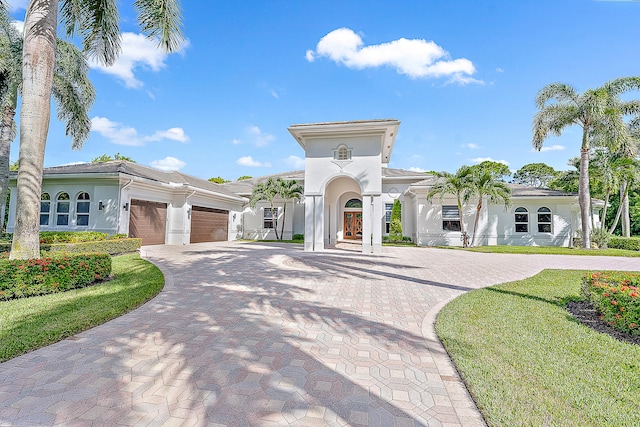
column 353, row 225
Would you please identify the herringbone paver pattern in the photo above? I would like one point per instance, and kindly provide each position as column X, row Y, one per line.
column 268, row 335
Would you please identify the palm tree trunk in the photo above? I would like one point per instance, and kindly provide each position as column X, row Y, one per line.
column 603, row 220
column 284, row 216
column 623, row 197
column 626, row 223
column 38, row 63
column 6, row 136
column 584, row 195
column 475, row 222
column 464, row 241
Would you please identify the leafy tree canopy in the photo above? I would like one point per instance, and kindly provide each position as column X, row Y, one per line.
column 106, row 158
column 243, row 177
column 218, row 180
column 499, row 171
column 535, row 175
column 14, row 166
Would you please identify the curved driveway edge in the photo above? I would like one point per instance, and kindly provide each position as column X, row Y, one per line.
column 248, row 334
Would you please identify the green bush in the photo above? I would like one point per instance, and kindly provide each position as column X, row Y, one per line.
column 297, row 237
column 600, row 237
column 112, row 247
column 616, row 297
column 58, row 273
column 629, row 243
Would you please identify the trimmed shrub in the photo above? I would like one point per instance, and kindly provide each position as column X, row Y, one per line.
column 616, row 297
column 58, row 273
column 112, row 247
column 297, row 237
column 629, row 243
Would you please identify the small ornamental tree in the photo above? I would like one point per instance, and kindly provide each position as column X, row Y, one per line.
column 395, row 226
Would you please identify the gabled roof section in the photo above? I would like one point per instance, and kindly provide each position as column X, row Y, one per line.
column 386, row 128
column 123, row 167
column 519, row 190
column 245, row 186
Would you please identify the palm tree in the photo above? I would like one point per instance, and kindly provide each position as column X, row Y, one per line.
column 483, row 184
column 287, row 190
column 97, row 25
column 455, row 184
column 599, row 112
column 266, row 191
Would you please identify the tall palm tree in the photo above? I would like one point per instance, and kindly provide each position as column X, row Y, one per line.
column 267, row 191
column 457, row 184
column 483, row 184
column 599, row 112
column 96, row 22
column 288, row 190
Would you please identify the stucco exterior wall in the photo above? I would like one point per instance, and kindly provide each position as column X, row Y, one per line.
column 253, row 221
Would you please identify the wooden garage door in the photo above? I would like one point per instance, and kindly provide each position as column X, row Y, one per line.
column 148, row 220
column 208, row 225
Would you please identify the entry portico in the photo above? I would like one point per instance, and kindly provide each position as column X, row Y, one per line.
column 343, row 180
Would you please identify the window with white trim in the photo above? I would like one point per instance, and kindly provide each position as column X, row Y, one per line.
column 268, row 217
column 83, row 205
column 388, row 207
column 45, row 208
column 522, row 220
column 544, row 220
column 450, row 218
column 342, row 153
column 63, row 204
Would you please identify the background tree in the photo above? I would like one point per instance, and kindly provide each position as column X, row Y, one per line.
column 218, row 180
column 266, row 191
column 243, row 177
column 498, row 170
column 535, row 175
column 96, row 22
column 395, row 225
column 287, row 190
column 457, row 185
column 599, row 112
column 107, row 158
column 483, row 183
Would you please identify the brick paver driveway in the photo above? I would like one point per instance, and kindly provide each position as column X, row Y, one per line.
column 265, row 334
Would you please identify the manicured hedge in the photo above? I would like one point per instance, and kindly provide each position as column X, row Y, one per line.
column 629, row 243
column 112, row 247
column 616, row 297
column 57, row 273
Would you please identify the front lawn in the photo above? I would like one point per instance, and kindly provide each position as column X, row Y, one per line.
column 30, row 323
column 527, row 362
column 548, row 250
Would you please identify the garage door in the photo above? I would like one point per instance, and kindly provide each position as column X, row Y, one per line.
column 148, row 220
column 208, row 225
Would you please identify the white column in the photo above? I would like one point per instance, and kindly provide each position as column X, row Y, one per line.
column 309, row 218
column 318, row 241
column 376, row 224
column 366, row 224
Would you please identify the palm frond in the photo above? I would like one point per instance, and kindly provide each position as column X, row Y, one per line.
column 98, row 27
column 561, row 92
column 161, row 19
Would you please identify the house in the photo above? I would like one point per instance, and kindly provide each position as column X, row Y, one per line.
column 348, row 195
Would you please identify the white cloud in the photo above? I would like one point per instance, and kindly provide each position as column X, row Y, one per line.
column 236, row 141
column 295, row 162
column 552, row 148
column 19, row 26
column 499, row 70
column 274, row 94
column 168, row 164
column 484, row 159
column 138, row 51
column 416, row 58
column 121, row 134
column 248, row 161
column 471, row 145
column 260, row 139
column 417, row 169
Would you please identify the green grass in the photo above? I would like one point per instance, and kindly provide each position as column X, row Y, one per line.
column 551, row 250
column 527, row 362
column 30, row 323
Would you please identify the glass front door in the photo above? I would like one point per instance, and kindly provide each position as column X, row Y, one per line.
column 353, row 225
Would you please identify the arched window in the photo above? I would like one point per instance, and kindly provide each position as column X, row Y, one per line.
column 544, row 220
column 342, row 153
column 45, row 208
column 522, row 220
column 354, row 203
column 62, row 209
column 83, row 206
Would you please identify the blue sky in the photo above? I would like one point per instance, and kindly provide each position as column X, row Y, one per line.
column 460, row 76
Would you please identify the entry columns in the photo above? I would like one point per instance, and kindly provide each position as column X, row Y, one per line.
column 314, row 223
column 371, row 223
